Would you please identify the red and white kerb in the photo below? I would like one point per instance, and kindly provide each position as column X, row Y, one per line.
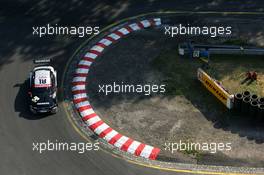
column 83, row 106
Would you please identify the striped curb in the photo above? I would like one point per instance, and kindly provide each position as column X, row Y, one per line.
column 80, row 97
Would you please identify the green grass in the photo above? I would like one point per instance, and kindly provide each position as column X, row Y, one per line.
column 231, row 70
column 180, row 73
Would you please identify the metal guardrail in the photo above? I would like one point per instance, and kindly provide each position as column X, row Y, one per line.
column 222, row 49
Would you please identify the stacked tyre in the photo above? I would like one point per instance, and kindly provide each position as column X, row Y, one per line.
column 249, row 105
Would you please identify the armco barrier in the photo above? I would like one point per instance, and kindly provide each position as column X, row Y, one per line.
column 238, row 98
column 254, row 97
column 261, row 100
column 253, row 109
column 215, row 88
column 80, row 97
column 246, row 94
column 249, row 104
column 221, row 49
column 245, row 105
column 260, row 115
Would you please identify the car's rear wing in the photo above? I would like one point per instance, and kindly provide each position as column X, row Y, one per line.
column 42, row 61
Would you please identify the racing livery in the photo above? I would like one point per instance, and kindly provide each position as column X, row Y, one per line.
column 43, row 90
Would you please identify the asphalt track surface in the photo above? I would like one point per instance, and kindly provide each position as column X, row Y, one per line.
column 18, row 128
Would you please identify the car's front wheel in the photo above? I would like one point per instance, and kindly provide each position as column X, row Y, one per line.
column 54, row 110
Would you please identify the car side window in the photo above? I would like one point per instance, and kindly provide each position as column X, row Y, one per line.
column 32, row 80
column 52, row 80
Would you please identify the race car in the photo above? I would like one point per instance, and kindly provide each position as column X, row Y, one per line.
column 43, row 89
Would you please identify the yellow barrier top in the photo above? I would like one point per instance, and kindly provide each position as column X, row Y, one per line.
column 215, row 88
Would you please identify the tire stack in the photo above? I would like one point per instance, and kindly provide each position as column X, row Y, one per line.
column 250, row 105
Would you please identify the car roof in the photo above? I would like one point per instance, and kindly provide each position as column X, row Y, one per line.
column 42, row 78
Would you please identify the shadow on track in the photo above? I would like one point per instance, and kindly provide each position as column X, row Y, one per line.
column 21, row 104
